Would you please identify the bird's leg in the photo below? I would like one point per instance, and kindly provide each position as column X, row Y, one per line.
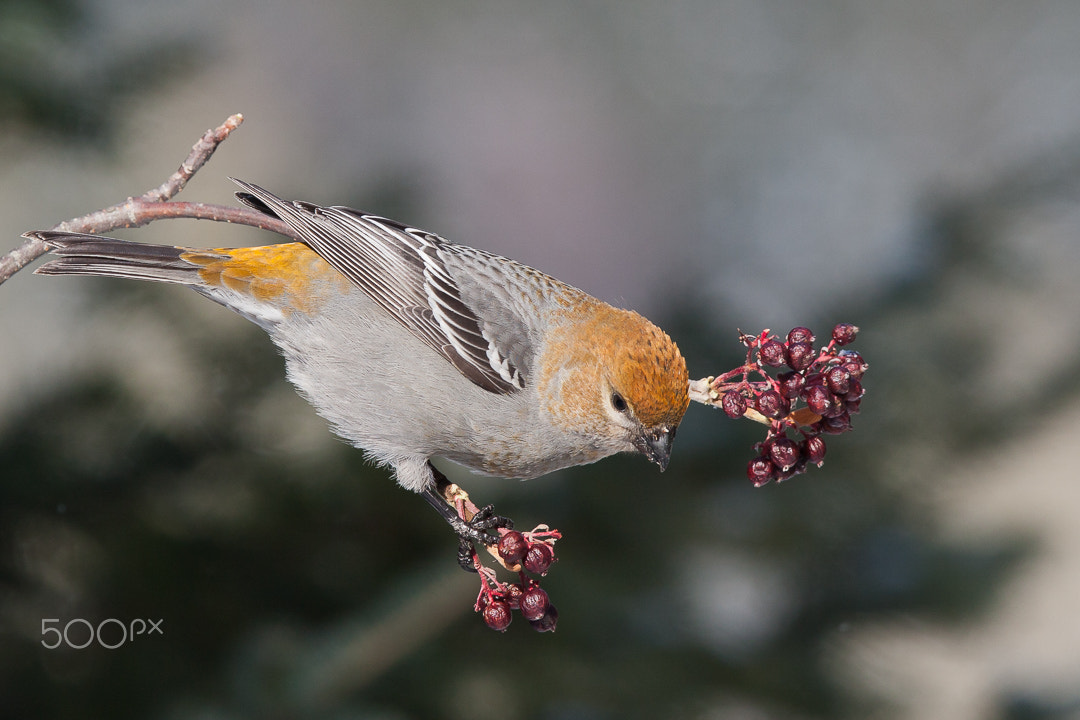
column 518, row 552
column 470, row 523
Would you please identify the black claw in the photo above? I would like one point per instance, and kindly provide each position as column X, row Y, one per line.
column 470, row 532
column 475, row 531
column 465, row 555
column 486, row 520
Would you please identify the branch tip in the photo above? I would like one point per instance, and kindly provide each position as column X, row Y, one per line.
column 150, row 206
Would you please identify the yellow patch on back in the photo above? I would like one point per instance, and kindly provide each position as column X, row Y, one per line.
column 290, row 276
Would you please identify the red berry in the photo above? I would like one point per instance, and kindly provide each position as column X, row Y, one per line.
column 771, row 353
column 771, row 405
column 835, row 425
column 784, row 453
column 797, row 469
column 791, row 384
column 513, row 596
column 512, row 547
column 539, row 558
column 760, row 470
column 800, row 335
column 853, row 367
column 836, row 406
column 855, row 390
column 497, row 615
column 854, row 363
column 819, row 399
column 534, row 603
column 839, row 380
column 800, row 356
column 547, row 622
column 852, row 406
column 844, row 333
column 814, row 449
column 734, row 404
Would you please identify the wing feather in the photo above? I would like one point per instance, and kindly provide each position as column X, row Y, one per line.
column 401, row 269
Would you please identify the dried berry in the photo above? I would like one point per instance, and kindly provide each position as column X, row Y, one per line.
column 771, row 405
column 835, row 425
column 797, row 469
column 844, row 333
column 814, row 449
column 513, row 596
column 855, row 390
column 819, row 399
column 837, row 406
column 784, row 453
column 539, row 558
column 771, row 353
column 547, row 622
column 800, row 356
column 838, row 379
column 852, row 367
column 800, row 335
column 791, row 384
column 853, row 362
column 734, row 404
column 512, row 547
column 760, row 470
column 497, row 615
column 534, row 603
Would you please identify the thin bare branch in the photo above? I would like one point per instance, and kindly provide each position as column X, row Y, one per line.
column 136, row 212
column 20, row 257
column 199, row 155
column 153, row 205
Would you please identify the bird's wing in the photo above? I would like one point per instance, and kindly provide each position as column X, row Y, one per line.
column 414, row 276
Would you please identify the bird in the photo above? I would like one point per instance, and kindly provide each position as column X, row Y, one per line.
column 413, row 347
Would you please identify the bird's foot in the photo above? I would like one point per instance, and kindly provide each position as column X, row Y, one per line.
column 472, row 525
column 521, row 553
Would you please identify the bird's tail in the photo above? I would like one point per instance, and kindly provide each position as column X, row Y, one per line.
column 81, row 254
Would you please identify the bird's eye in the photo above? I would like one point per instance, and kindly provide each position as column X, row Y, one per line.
column 618, row 402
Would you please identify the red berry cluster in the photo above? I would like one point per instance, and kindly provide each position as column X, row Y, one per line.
column 531, row 551
column 827, row 383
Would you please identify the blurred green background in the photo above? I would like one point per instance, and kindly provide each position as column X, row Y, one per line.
column 911, row 167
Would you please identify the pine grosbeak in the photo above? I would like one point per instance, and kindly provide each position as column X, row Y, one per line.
column 413, row 347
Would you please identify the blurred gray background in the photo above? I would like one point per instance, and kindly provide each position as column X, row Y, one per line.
column 913, row 167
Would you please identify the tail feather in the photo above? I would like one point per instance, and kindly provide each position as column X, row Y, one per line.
column 81, row 254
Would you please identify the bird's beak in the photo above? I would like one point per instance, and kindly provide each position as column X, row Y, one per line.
column 655, row 444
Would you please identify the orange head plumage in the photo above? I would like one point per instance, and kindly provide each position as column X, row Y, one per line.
column 615, row 375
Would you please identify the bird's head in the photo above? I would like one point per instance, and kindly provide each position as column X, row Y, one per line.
column 624, row 382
